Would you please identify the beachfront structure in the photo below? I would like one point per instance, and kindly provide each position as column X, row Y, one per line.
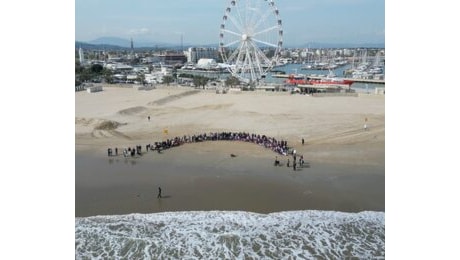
column 195, row 54
column 207, row 64
column 155, row 77
column 119, row 67
column 172, row 58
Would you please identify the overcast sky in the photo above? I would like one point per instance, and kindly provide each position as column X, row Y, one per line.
column 198, row 21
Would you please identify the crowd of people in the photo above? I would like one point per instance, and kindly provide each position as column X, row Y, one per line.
column 279, row 146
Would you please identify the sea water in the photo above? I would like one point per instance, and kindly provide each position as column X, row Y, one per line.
column 307, row 234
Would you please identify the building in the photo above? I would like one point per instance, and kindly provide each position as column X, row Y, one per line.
column 207, row 64
column 195, row 54
column 81, row 55
column 172, row 59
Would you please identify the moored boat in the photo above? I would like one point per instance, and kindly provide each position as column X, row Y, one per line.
column 318, row 81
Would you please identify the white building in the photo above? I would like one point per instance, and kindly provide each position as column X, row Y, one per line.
column 206, row 64
column 157, row 76
column 81, row 55
column 194, row 54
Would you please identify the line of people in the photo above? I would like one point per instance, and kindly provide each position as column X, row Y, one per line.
column 126, row 151
column 279, row 146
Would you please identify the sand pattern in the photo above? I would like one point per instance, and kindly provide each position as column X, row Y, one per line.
column 344, row 170
column 132, row 110
column 174, row 97
column 332, row 127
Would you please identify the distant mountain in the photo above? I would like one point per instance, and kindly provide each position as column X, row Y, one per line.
column 126, row 43
column 115, row 43
column 85, row 45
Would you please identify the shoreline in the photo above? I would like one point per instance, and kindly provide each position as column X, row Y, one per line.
column 347, row 163
column 204, row 176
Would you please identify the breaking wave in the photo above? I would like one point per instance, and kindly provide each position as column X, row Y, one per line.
column 232, row 235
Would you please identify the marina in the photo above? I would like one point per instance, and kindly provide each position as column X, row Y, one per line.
column 372, row 81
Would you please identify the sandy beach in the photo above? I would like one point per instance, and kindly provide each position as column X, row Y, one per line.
column 346, row 163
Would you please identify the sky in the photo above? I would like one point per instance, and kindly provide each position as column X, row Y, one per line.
column 198, row 21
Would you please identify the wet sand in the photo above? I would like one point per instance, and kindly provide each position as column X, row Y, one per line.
column 203, row 177
column 347, row 164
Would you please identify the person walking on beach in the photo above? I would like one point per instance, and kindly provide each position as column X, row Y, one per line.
column 288, row 163
column 303, row 141
column 148, row 118
column 277, row 163
column 159, row 193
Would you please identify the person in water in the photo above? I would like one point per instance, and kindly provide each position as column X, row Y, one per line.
column 159, row 193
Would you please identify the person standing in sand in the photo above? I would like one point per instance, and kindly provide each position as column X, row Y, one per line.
column 159, row 193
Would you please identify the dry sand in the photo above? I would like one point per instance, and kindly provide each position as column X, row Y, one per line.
column 347, row 162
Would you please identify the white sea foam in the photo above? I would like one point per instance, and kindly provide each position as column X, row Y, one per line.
column 232, row 235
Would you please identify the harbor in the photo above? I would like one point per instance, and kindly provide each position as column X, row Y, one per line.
column 371, row 81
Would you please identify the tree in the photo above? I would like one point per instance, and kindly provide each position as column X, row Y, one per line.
column 108, row 75
column 85, row 75
column 141, row 78
column 232, row 81
column 200, row 81
column 167, row 79
column 78, row 67
column 96, row 68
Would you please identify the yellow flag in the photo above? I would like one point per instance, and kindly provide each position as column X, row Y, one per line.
column 165, row 131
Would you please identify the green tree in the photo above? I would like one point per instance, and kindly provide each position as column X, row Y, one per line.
column 96, row 69
column 85, row 75
column 168, row 79
column 141, row 78
column 200, row 81
column 108, row 75
column 232, row 81
column 78, row 67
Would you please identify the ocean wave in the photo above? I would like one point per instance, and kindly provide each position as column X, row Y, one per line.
column 232, row 235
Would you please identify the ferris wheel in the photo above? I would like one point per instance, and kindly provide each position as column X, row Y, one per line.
column 251, row 37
